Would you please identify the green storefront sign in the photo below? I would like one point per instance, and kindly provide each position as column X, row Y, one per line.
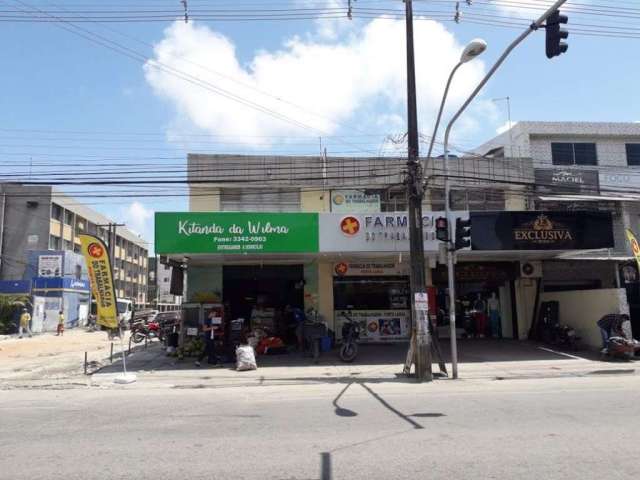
column 235, row 233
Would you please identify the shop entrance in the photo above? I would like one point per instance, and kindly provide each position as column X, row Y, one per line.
column 259, row 294
column 485, row 306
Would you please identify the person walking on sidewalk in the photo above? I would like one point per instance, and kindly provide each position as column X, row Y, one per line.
column 25, row 321
column 60, row 323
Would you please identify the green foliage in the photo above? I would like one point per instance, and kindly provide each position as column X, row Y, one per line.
column 9, row 306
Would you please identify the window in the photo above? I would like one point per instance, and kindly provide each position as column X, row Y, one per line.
column 68, row 217
column 54, row 243
column 393, row 200
column 474, row 200
column 371, row 293
column 66, row 245
column 633, row 154
column 56, row 212
column 574, row 154
column 80, row 224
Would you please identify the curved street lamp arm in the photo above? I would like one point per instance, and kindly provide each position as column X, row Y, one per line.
column 444, row 99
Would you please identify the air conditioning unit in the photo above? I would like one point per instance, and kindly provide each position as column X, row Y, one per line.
column 531, row 269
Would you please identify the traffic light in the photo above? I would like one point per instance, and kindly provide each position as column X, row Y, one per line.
column 463, row 234
column 442, row 229
column 555, row 35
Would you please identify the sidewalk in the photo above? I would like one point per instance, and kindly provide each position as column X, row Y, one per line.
column 480, row 361
column 46, row 356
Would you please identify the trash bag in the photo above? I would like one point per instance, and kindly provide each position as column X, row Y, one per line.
column 245, row 358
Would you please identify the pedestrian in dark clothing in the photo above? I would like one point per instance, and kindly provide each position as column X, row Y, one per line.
column 210, row 328
column 611, row 326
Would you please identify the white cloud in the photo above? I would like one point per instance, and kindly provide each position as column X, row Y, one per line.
column 138, row 219
column 358, row 74
column 528, row 11
column 505, row 127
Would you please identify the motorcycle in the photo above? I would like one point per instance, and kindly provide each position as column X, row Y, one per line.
column 140, row 331
column 350, row 335
column 560, row 335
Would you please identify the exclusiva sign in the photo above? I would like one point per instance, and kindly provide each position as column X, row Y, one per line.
column 541, row 230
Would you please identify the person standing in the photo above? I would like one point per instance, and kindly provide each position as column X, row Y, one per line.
column 480, row 316
column 494, row 315
column 60, row 323
column 209, row 329
column 25, row 321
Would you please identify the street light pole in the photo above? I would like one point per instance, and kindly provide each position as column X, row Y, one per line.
column 471, row 51
column 414, row 197
column 450, row 267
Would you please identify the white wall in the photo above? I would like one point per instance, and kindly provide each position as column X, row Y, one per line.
column 525, row 301
column 581, row 309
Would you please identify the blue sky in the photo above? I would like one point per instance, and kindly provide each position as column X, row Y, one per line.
column 76, row 105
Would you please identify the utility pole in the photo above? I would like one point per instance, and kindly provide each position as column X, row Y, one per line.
column 111, row 243
column 416, row 238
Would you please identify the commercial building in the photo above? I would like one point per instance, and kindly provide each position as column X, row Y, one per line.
column 39, row 218
column 589, row 167
column 331, row 235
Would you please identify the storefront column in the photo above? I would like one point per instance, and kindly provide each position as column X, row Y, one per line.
column 525, row 300
column 310, row 286
column 325, row 293
column 430, row 264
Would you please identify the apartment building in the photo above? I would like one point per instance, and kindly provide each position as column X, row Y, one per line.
column 44, row 218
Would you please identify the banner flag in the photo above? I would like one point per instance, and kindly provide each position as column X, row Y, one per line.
column 96, row 255
column 635, row 246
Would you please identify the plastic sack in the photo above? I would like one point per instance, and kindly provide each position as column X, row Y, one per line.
column 245, row 358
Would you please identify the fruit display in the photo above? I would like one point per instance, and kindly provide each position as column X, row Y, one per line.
column 193, row 348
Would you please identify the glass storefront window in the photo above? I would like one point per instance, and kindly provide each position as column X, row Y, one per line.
column 371, row 293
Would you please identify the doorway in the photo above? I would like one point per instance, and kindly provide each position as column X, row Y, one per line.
column 271, row 286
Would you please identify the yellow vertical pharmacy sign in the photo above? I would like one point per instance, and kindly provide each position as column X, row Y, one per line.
column 635, row 246
column 96, row 255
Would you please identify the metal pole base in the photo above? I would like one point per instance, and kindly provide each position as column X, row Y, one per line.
column 125, row 378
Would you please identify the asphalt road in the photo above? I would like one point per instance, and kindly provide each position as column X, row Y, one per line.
column 583, row 428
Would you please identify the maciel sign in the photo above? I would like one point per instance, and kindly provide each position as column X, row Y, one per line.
column 567, row 180
column 231, row 232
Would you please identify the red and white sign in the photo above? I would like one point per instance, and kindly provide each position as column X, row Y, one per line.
column 367, row 269
column 350, row 225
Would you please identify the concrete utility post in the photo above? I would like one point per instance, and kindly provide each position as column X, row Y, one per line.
column 414, row 197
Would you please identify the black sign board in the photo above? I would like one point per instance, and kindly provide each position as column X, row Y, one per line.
column 567, row 180
column 541, row 230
